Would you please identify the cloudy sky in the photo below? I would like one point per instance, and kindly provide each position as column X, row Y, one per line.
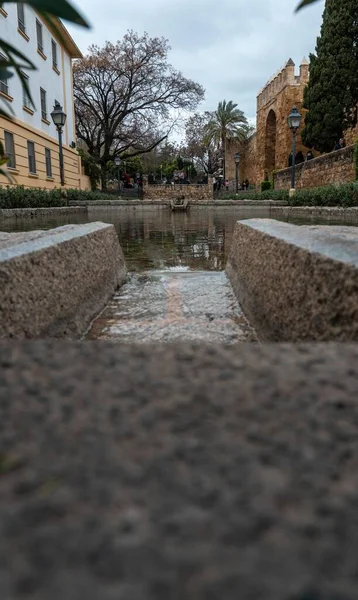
column 231, row 47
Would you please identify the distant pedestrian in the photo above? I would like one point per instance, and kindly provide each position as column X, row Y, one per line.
column 342, row 143
column 299, row 158
column 309, row 155
column 247, row 184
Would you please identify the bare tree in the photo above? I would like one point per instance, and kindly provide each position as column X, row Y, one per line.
column 206, row 152
column 126, row 95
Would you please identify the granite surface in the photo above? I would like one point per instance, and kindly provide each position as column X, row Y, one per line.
column 174, row 305
column 178, row 472
column 296, row 283
column 54, row 283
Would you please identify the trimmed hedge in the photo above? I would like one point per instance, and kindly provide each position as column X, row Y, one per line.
column 267, row 195
column 344, row 195
column 20, row 197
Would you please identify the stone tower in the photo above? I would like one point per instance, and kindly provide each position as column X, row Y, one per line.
column 269, row 149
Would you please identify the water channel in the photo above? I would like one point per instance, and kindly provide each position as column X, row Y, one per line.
column 177, row 288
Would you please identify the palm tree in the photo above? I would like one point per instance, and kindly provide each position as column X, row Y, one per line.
column 227, row 123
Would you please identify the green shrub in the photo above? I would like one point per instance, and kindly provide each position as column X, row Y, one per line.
column 20, row 197
column 344, row 195
column 265, row 185
column 267, row 195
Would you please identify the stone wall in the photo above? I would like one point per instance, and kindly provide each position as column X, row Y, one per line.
column 250, row 171
column 31, row 213
column 274, row 104
column 296, row 283
column 269, row 149
column 335, row 167
column 194, row 193
column 53, row 283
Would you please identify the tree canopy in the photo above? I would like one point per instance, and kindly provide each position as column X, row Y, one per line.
column 228, row 122
column 126, row 95
column 331, row 95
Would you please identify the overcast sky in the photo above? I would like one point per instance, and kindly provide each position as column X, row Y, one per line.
column 231, row 47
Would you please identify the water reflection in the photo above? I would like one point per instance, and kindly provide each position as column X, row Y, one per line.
column 199, row 239
column 156, row 238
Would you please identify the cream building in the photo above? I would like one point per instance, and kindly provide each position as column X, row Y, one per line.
column 30, row 138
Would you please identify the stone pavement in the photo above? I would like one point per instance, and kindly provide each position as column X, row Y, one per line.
column 178, row 472
column 168, row 306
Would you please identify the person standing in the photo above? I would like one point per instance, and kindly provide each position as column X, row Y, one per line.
column 309, row 155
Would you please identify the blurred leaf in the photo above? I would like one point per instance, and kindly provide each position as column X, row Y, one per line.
column 58, row 8
column 11, row 61
column 305, row 3
column 4, row 72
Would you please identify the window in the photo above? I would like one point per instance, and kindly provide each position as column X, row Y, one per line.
column 21, row 17
column 31, row 157
column 10, row 150
column 43, row 104
column 40, row 45
column 48, row 162
column 25, row 97
column 4, row 87
column 54, row 55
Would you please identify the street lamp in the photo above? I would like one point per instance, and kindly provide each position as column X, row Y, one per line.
column 59, row 118
column 117, row 162
column 294, row 121
column 237, row 160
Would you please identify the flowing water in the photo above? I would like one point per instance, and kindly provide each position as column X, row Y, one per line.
column 177, row 288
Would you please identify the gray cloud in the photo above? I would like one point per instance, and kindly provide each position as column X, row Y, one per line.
column 231, row 47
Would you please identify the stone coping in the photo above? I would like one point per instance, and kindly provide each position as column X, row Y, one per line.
column 334, row 156
column 192, row 203
column 296, row 283
column 185, row 471
column 55, row 282
column 322, row 212
column 23, row 213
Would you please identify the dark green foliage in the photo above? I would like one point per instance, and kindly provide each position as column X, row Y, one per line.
column 266, row 195
column 20, row 197
column 265, row 185
column 331, row 96
column 344, row 195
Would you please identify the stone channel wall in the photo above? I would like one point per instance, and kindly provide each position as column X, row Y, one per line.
column 194, row 193
column 31, row 213
column 53, row 283
column 296, row 283
column 335, row 167
column 322, row 213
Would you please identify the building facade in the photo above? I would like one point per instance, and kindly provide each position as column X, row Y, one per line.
column 269, row 148
column 30, row 138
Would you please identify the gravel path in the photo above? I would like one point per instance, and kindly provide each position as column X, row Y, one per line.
column 178, row 472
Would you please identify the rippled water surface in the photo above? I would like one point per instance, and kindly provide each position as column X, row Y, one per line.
column 156, row 238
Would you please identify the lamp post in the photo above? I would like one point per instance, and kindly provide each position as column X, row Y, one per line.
column 237, row 160
column 59, row 118
column 294, row 121
column 117, row 162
